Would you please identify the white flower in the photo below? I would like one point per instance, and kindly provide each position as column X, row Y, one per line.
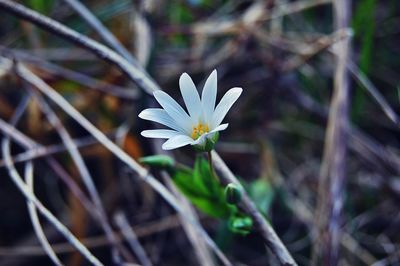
column 200, row 124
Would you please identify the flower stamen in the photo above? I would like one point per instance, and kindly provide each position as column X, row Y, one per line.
column 199, row 130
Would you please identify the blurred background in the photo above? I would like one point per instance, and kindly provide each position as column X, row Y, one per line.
column 281, row 52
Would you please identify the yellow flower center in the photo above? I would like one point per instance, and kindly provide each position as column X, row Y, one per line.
column 199, row 130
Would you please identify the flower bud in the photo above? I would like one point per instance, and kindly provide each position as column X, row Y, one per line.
column 233, row 194
column 240, row 224
column 158, row 161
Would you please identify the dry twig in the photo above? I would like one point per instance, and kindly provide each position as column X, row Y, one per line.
column 267, row 232
column 135, row 73
column 333, row 169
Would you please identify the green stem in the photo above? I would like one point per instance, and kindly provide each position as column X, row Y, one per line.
column 212, row 166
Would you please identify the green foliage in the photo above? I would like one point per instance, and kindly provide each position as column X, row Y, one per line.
column 262, row 194
column 364, row 27
column 179, row 13
column 158, row 161
column 42, row 6
column 203, row 189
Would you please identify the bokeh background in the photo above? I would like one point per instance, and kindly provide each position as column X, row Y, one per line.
column 282, row 53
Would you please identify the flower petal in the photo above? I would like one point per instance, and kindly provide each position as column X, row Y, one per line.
column 177, row 142
column 220, row 128
column 209, row 95
column 160, row 116
column 173, row 109
column 224, row 105
column 204, row 136
column 160, row 133
column 190, row 96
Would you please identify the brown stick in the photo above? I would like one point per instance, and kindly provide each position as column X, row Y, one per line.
column 134, row 72
column 271, row 239
column 333, row 169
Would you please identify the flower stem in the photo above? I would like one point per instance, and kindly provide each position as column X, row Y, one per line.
column 212, row 166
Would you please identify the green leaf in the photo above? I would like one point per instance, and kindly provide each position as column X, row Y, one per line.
column 205, row 179
column 203, row 189
column 183, row 179
column 213, row 209
column 262, row 194
column 159, row 161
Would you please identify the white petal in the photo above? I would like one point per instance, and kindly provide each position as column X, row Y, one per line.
column 190, row 96
column 209, row 95
column 176, row 142
column 160, row 116
column 224, row 105
column 160, row 133
column 173, row 109
column 220, row 128
column 204, row 136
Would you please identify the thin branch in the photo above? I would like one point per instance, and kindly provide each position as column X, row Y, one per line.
column 16, row 135
column 165, row 224
column 267, row 232
column 35, row 218
column 84, row 172
column 253, row 15
column 43, row 151
column 104, row 33
column 29, row 181
column 293, row 7
column 41, row 208
column 69, row 74
column 135, row 73
column 365, row 146
column 367, row 84
column 130, row 236
column 333, row 168
column 27, row 143
column 304, row 214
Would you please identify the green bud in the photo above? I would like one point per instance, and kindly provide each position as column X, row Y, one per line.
column 240, row 224
column 158, row 161
column 233, row 194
